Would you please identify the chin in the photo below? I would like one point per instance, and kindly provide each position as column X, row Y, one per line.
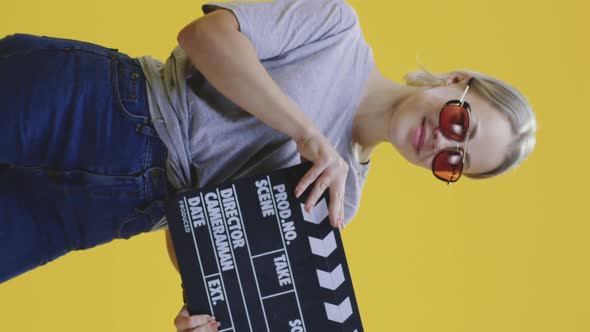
column 415, row 163
column 413, row 159
column 409, row 155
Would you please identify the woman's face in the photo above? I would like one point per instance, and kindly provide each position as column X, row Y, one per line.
column 489, row 130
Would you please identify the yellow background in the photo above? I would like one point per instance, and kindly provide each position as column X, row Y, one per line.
column 506, row 254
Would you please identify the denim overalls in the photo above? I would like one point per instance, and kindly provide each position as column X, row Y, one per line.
column 80, row 162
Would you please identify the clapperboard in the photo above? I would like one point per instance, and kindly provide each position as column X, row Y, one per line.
column 249, row 254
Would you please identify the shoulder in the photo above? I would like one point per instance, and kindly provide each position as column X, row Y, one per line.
column 349, row 14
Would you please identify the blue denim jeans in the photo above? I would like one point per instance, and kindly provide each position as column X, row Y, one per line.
column 80, row 162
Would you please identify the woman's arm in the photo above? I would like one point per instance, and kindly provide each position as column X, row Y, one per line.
column 228, row 60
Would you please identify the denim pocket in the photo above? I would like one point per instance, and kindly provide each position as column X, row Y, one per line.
column 142, row 220
column 128, row 88
column 147, row 215
column 77, row 209
column 64, row 111
column 131, row 101
column 130, row 93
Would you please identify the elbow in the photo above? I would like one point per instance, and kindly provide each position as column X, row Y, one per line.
column 190, row 34
column 218, row 23
column 182, row 34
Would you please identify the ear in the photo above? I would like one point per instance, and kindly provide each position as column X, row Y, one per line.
column 457, row 78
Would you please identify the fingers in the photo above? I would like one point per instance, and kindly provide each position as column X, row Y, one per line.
column 336, row 209
column 318, row 189
column 316, row 192
column 329, row 170
column 342, row 215
column 209, row 327
column 333, row 177
column 308, row 178
column 184, row 321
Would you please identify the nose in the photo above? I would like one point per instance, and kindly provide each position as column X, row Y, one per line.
column 440, row 141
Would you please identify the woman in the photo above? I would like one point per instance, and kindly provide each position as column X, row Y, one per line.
column 101, row 139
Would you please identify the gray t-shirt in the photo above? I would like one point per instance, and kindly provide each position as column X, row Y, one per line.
column 316, row 53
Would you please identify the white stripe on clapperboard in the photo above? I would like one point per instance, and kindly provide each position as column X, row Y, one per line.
column 250, row 255
column 217, row 262
column 233, row 256
column 186, row 206
column 272, row 195
column 267, row 253
column 277, row 294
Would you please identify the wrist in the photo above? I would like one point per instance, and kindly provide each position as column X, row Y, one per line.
column 296, row 124
column 305, row 131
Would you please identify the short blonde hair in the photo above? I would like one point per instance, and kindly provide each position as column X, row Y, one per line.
column 501, row 96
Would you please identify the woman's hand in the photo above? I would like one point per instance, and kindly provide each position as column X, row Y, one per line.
column 329, row 169
column 196, row 323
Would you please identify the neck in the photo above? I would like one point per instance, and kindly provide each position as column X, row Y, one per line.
column 372, row 121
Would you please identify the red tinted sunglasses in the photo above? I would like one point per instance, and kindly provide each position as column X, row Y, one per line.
column 454, row 119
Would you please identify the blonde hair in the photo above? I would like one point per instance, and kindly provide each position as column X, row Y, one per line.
column 501, row 96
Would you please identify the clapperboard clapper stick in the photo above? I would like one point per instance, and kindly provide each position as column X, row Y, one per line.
column 249, row 254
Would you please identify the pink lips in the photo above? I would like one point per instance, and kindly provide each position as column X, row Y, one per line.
column 418, row 137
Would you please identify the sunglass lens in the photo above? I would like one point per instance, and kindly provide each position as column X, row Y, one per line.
column 448, row 165
column 454, row 122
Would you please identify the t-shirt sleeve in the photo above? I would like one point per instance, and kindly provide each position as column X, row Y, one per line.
column 279, row 26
